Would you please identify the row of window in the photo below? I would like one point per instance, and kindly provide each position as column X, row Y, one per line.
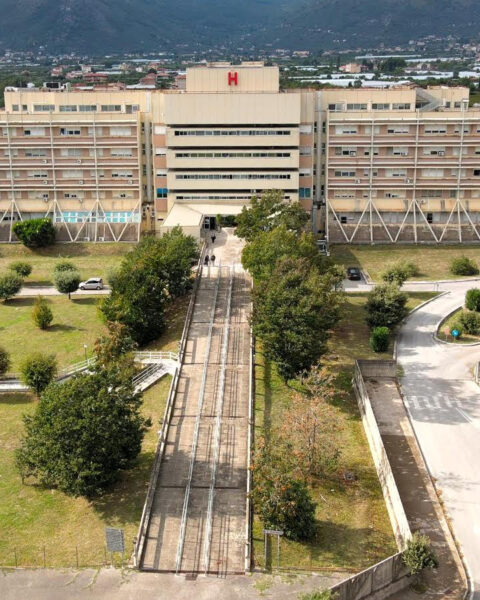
column 70, row 153
column 340, row 106
column 131, row 108
column 114, row 131
column 400, row 194
column 92, row 217
column 232, row 154
column 438, row 173
column 226, row 132
column 232, row 176
column 430, row 129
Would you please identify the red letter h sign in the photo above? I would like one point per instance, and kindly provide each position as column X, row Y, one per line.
column 233, row 78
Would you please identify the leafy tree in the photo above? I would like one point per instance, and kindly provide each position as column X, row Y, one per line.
column 35, row 233
column 395, row 274
column 42, row 314
column 310, row 429
column 472, row 299
column 281, row 501
column 462, row 265
column 469, row 321
column 21, row 268
column 64, row 265
column 67, row 282
column 114, row 346
column 261, row 255
column 293, row 313
column 10, row 284
column 38, row 370
column 83, row 434
column 393, row 65
column 4, row 361
column 418, row 554
column 380, row 339
column 154, row 273
column 386, row 306
column 267, row 213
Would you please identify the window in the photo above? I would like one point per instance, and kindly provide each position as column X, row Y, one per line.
column 395, row 194
column 95, row 131
column 68, row 108
column 367, row 151
column 34, row 131
column 128, row 195
column 346, row 151
column 120, row 131
column 305, row 172
column 162, row 192
column 343, row 194
column 122, row 174
column 435, row 129
column 434, row 151
column 377, row 106
column 305, row 129
column 432, row 172
column 44, row 107
column 111, row 108
column 305, row 151
column 160, row 130
column 221, row 176
column 401, row 106
column 346, row 129
column 368, row 129
column 87, row 108
column 431, row 194
column 395, row 172
column 398, row 151
column 91, row 152
column 121, row 152
column 69, row 131
column 344, row 173
column 71, row 152
column 476, row 172
column 15, row 107
column 429, row 217
column 229, row 132
column 305, row 192
column 35, row 153
column 37, row 174
column 72, row 174
column 336, row 107
column 356, row 107
column 458, row 129
column 399, row 129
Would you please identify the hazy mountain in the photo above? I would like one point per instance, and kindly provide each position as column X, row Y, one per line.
column 100, row 26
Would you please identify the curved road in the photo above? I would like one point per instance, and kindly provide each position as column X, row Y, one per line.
column 444, row 406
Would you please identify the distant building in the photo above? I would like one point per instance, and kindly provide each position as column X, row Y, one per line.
column 351, row 68
column 95, row 77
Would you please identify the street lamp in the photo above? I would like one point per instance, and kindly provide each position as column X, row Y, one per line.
column 85, row 350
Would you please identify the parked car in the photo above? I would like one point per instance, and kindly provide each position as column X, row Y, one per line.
column 94, row 283
column 354, row 274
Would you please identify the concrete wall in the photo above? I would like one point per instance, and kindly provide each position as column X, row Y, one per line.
column 375, row 583
column 396, row 512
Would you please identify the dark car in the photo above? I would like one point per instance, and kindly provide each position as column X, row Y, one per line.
column 354, row 274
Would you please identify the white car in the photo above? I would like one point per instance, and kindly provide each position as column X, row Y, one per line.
column 94, row 283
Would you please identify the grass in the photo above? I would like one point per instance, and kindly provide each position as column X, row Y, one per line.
column 32, row 518
column 449, row 323
column 474, row 98
column 353, row 530
column 75, row 323
column 92, row 260
column 433, row 261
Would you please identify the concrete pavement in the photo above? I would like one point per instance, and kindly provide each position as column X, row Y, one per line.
column 444, row 406
column 29, row 291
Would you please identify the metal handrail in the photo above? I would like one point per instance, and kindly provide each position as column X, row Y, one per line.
column 193, row 453
column 156, row 355
column 218, row 426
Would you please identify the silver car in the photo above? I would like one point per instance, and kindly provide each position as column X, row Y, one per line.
column 94, row 283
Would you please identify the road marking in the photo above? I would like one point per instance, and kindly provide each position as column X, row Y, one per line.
column 465, row 416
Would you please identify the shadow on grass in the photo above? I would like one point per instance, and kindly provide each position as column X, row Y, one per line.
column 91, row 300
column 15, row 398
column 20, row 301
column 64, row 327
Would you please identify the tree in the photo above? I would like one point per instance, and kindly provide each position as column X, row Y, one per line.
column 380, row 339
column 310, row 426
column 267, row 213
column 260, row 256
column 35, row 233
column 67, row 282
column 83, row 434
column 418, row 554
column 114, row 346
column 10, row 284
column 395, row 274
column 464, row 266
column 293, row 313
column 4, row 361
column 472, row 299
column 38, row 370
column 281, row 501
column 386, row 306
column 21, row 268
column 41, row 313
column 64, row 265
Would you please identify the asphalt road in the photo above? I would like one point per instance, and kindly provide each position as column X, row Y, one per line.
column 49, row 290
column 444, row 406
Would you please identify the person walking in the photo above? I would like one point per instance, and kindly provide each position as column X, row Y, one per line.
column 213, row 237
column 212, row 258
column 206, row 260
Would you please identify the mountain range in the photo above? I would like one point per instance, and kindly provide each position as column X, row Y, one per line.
column 104, row 26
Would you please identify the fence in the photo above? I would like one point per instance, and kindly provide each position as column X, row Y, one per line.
column 145, row 519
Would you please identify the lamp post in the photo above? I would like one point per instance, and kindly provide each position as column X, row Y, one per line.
column 85, row 350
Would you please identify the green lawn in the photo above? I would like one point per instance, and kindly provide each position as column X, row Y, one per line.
column 449, row 323
column 75, row 323
column 433, row 261
column 354, row 530
column 92, row 260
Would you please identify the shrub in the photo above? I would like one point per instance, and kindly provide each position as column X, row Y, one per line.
column 459, row 327
column 380, row 339
column 64, row 265
column 469, row 321
column 418, row 554
column 35, row 233
column 4, row 361
column 386, row 306
column 410, row 268
column 67, row 282
column 38, row 370
column 10, row 284
column 41, row 313
column 21, row 268
column 472, row 299
column 319, row 595
column 462, row 265
column 395, row 274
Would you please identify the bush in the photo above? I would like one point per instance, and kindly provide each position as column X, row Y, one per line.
column 41, row 314
column 459, row 327
column 83, row 433
column 35, row 233
column 38, row 370
column 21, row 268
column 386, row 306
column 472, row 299
column 380, row 339
column 67, row 282
column 462, row 265
column 319, row 595
column 4, row 361
column 395, row 274
column 469, row 321
column 410, row 268
column 64, row 265
column 418, row 554
column 10, row 284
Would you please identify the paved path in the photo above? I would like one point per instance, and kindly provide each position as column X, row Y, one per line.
column 28, row 291
column 444, row 406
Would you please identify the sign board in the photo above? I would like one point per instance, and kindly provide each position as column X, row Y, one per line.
column 115, row 539
column 233, row 78
column 455, row 333
column 272, row 532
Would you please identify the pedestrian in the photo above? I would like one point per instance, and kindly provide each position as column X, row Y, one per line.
column 214, row 237
column 212, row 258
column 206, row 259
